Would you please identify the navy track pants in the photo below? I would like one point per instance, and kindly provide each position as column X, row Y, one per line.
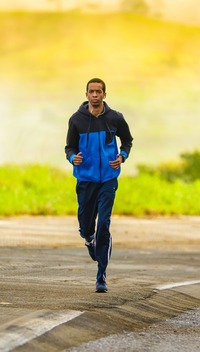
column 97, row 199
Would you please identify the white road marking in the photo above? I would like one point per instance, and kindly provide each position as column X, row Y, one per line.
column 177, row 284
column 5, row 303
column 22, row 330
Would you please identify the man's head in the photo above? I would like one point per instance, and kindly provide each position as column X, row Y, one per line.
column 97, row 80
column 96, row 92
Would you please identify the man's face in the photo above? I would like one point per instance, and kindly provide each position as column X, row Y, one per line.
column 95, row 94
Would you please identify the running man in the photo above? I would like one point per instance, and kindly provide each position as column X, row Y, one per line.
column 92, row 149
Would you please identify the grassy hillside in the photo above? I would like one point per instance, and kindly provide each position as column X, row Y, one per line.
column 151, row 69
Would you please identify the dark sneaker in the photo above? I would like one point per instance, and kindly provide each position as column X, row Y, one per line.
column 101, row 287
column 91, row 249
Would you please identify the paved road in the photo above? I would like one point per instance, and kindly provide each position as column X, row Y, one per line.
column 47, row 298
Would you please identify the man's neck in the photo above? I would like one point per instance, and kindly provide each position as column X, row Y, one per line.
column 95, row 111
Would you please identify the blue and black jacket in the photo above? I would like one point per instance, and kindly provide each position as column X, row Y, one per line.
column 95, row 138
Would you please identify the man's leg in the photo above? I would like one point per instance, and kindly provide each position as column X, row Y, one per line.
column 106, row 198
column 87, row 195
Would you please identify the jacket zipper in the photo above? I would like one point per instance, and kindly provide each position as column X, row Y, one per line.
column 100, row 155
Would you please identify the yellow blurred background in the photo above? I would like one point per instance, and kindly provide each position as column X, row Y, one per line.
column 150, row 62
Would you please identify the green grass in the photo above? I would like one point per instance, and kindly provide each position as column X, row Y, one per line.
column 151, row 195
column 35, row 190
column 43, row 190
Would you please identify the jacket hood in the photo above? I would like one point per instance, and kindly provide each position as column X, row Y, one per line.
column 84, row 108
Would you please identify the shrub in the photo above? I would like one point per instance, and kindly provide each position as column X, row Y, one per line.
column 192, row 165
column 188, row 169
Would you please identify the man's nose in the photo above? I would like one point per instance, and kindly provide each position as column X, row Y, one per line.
column 94, row 93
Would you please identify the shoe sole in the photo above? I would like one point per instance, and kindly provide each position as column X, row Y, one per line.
column 101, row 290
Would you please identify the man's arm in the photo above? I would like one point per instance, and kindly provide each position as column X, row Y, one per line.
column 72, row 147
column 123, row 132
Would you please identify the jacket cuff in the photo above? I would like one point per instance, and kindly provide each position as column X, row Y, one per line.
column 71, row 158
column 124, row 156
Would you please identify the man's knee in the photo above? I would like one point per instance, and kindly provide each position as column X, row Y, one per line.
column 87, row 236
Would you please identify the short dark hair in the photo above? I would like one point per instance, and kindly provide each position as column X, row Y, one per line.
column 97, row 80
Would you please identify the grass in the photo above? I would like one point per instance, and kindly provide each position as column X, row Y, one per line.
column 152, row 195
column 43, row 190
column 34, row 190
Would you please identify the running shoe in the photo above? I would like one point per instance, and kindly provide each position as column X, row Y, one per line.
column 101, row 287
column 91, row 249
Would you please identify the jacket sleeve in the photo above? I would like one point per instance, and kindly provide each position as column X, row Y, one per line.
column 72, row 147
column 124, row 134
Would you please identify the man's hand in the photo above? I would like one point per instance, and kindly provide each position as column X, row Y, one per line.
column 116, row 163
column 77, row 160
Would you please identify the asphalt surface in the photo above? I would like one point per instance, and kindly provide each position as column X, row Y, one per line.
column 177, row 334
column 48, row 300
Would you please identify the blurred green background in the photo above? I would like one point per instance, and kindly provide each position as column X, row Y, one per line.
column 151, row 68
